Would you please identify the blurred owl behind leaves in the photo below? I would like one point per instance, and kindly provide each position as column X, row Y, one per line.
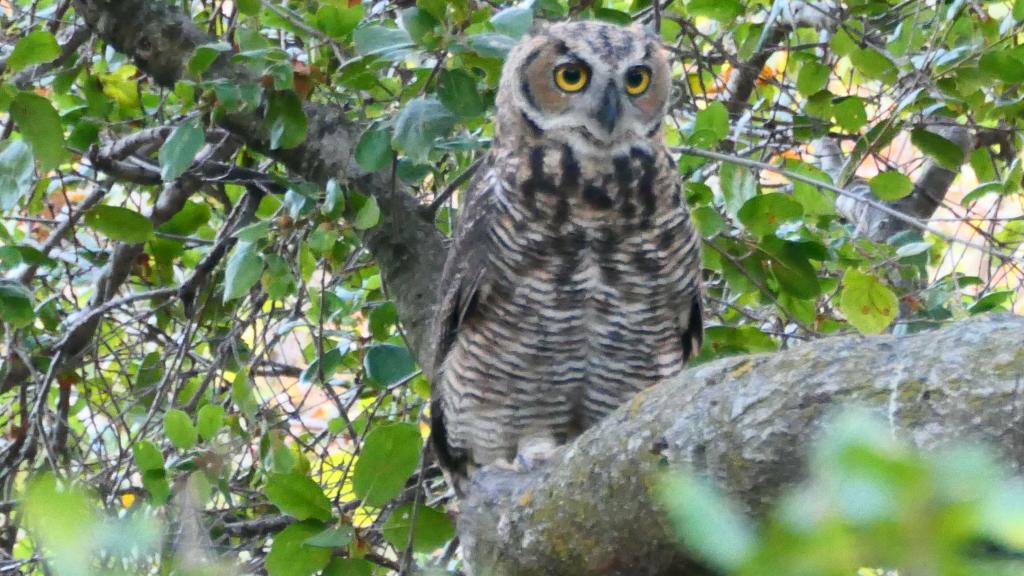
column 573, row 280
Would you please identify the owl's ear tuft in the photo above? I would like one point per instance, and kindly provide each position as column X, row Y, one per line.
column 538, row 27
column 645, row 30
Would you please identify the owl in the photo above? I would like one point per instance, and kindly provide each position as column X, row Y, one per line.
column 573, row 279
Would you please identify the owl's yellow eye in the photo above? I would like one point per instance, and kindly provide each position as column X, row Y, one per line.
column 638, row 78
column 571, row 77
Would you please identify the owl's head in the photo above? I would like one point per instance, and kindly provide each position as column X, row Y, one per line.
column 591, row 84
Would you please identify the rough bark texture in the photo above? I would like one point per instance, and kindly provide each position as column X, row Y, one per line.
column 406, row 245
column 746, row 422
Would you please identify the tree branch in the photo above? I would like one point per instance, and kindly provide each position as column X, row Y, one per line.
column 745, row 422
column 929, row 191
column 406, row 245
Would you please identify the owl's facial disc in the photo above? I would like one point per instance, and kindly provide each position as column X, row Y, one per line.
column 587, row 82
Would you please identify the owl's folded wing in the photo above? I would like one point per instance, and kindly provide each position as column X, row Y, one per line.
column 465, row 271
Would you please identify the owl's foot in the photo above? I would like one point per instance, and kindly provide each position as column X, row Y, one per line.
column 534, row 453
column 503, row 464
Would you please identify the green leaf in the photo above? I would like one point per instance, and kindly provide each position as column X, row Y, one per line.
column 286, row 122
column 180, row 149
column 147, row 456
column 490, row 45
column 16, row 171
column 332, row 538
column 83, row 135
column 237, row 97
column 348, row 567
column 945, row 153
column 241, row 394
column 368, row 215
column 763, row 214
column 209, row 421
column 150, row 370
column 723, row 10
column 420, row 26
column 299, row 496
column 739, row 339
column 382, row 319
column 289, row 556
column 437, row 8
column 339, row 21
column 64, row 519
column 874, row 64
column 243, row 270
column 458, row 91
column 791, row 268
column 278, row 279
column 419, row 124
column 205, row 55
column 388, row 43
column 1002, row 299
column 41, row 127
column 15, row 304
column 708, row 522
column 1004, row 65
column 120, row 224
column 253, row 232
column 738, row 185
column 390, row 455
column 614, row 16
column 191, row 217
column 433, row 528
column 35, row 48
column 813, row 78
column 708, row 221
column 819, row 105
column 373, row 152
column 387, row 364
column 715, row 119
column 248, row 7
column 816, row 200
column 891, row 185
column 1018, row 10
column 850, row 114
column 179, row 429
column 843, row 44
column 513, row 22
column 867, row 303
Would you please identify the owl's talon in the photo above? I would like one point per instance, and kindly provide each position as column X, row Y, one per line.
column 503, row 464
column 536, row 454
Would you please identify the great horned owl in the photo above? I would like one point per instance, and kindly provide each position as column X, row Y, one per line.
column 573, row 280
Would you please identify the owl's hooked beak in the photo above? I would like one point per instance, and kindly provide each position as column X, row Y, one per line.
column 608, row 113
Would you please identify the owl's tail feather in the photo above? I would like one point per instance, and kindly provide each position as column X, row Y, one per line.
column 454, row 462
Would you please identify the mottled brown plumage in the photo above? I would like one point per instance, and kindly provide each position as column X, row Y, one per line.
column 573, row 280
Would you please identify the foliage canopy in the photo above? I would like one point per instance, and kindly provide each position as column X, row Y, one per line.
column 197, row 331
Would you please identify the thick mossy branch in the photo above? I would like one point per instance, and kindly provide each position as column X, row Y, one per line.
column 746, row 422
column 406, row 244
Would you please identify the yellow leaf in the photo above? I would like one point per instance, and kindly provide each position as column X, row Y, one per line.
column 120, row 86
